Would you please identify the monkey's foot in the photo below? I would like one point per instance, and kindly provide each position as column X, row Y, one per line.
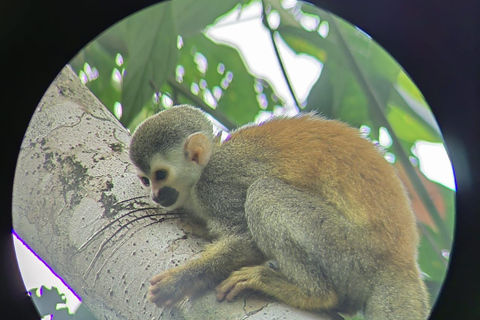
column 245, row 278
column 167, row 288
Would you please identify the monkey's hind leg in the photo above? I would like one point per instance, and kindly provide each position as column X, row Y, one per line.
column 274, row 215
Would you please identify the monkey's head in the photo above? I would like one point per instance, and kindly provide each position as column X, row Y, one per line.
column 170, row 150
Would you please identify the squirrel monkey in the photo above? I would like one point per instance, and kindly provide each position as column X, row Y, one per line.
column 306, row 192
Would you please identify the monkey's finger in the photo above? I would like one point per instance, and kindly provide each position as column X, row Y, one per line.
column 161, row 300
column 154, row 299
column 165, row 301
column 230, row 288
column 221, row 295
column 222, row 290
column 153, row 289
column 236, row 289
column 151, row 297
column 225, row 287
column 157, row 278
column 156, row 291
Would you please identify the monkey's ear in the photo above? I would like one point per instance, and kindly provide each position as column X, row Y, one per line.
column 198, row 148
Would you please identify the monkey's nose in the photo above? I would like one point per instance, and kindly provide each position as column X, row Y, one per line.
column 156, row 197
column 167, row 197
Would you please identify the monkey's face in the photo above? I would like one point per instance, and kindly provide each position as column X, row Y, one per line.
column 170, row 179
column 171, row 175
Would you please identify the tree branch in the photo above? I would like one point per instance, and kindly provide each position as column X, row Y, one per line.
column 78, row 204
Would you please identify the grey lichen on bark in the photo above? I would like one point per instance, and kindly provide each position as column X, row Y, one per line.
column 78, row 203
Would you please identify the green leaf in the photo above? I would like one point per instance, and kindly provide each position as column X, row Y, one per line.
column 430, row 260
column 310, row 43
column 337, row 93
column 407, row 97
column 286, row 18
column 98, row 57
column 407, row 126
column 238, row 102
column 153, row 55
column 113, row 39
column 448, row 197
column 321, row 97
column 47, row 302
column 407, row 84
column 193, row 16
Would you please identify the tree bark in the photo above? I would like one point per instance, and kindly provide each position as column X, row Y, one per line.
column 71, row 204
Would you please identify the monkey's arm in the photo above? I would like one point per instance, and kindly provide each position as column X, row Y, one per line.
column 219, row 259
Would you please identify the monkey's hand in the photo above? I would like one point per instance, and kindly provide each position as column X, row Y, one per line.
column 217, row 261
column 168, row 288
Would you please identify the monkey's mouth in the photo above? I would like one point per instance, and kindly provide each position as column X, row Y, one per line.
column 166, row 197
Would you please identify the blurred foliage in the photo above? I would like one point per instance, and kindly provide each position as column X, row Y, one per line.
column 49, row 302
column 162, row 56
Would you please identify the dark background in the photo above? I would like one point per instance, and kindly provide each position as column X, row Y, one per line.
column 436, row 42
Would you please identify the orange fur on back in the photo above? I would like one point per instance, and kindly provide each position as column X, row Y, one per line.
column 330, row 159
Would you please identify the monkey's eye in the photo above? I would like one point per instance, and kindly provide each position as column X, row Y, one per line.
column 160, row 174
column 145, row 181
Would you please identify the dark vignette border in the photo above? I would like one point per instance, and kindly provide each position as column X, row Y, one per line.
column 436, row 42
